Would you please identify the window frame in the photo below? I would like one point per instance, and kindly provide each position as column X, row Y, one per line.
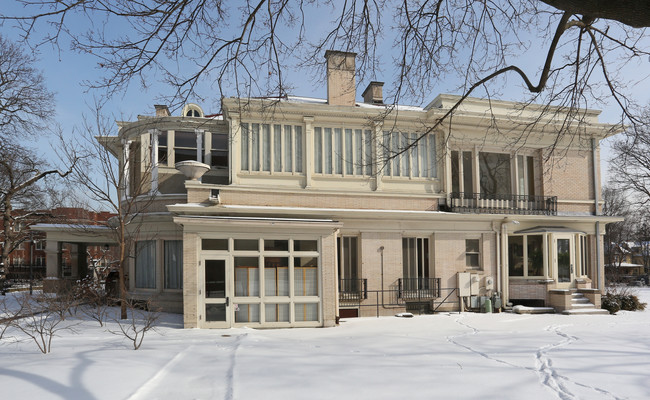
column 525, row 256
column 258, row 148
column 478, row 253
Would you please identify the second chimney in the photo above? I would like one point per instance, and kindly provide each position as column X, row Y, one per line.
column 341, row 85
column 162, row 110
column 374, row 93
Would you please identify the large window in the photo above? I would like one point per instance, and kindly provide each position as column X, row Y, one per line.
column 342, row 151
column 145, row 264
column 410, row 154
column 173, row 269
column 271, row 147
column 494, row 170
column 219, row 150
column 526, row 255
column 500, row 175
column 415, row 258
column 184, row 146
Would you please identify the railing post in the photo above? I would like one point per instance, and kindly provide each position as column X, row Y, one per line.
column 365, row 289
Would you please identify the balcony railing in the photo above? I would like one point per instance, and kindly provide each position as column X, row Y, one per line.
column 418, row 288
column 353, row 289
column 503, row 204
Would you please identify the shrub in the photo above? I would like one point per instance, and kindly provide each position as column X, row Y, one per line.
column 611, row 303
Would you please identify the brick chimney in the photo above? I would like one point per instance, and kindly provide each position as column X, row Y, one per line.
column 374, row 93
column 162, row 110
column 341, row 85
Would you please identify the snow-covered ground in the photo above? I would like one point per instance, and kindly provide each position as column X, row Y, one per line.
column 444, row 356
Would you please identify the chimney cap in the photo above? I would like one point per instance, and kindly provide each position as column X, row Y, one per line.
column 329, row 53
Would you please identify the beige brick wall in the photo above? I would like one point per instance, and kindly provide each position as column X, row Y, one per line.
column 323, row 200
column 569, row 176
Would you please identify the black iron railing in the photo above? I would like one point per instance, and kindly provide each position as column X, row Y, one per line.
column 418, row 288
column 353, row 289
column 503, row 204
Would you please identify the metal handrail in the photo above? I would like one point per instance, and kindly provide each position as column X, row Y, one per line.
column 353, row 289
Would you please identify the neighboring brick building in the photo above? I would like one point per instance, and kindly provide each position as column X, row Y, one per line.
column 298, row 216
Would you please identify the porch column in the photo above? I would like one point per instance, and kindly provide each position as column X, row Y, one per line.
column 199, row 144
column 308, row 153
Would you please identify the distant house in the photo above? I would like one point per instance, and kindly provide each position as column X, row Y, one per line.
column 309, row 209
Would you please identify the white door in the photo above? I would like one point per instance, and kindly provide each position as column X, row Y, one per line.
column 564, row 260
column 215, row 293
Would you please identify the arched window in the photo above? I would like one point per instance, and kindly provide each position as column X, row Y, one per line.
column 192, row 110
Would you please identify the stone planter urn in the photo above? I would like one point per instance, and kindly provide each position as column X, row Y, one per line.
column 193, row 170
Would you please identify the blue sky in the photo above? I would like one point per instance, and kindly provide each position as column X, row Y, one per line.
column 65, row 71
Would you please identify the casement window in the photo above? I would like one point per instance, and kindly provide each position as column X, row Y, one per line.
column 415, row 259
column 473, row 253
column 499, row 174
column 40, row 244
column 219, row 150
column 410, row 155
column 145, row 264
column 342, row 151
column 173, row 268
column 526, row 255
column 271, row 148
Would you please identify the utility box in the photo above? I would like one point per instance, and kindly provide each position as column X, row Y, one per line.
column 489, row 283
column 464, row 284
column 475, row 285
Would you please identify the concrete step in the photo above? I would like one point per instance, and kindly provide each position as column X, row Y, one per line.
column 587, row 311
column 582, row 305
column 580, row 300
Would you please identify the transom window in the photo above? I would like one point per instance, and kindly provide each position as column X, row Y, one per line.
column 342, row 151
column 271, row 147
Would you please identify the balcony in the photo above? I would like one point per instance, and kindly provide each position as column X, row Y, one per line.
column 353, row 289
column 416, row 289
column 502, row 204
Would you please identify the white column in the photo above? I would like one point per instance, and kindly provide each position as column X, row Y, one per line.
column 126, row 166
column 234, row 148
column 154, row 160
column 199, row 144
column 308, row 150
column 378, row 147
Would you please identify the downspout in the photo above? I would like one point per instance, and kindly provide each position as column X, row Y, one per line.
column 496, row 231
column 596, row 176
column 505, row 294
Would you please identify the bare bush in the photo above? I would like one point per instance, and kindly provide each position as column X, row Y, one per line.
column 142, row 317
column 39, row 321
column 94, row 298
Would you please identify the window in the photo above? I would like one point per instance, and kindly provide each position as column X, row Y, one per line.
column 305, row 276
column 585, row 249
column 145, row 264
column 21, row 246
column 342, row 151
column 40, row 261
column 162, row 147
column 247, row 276
column 348, row 260
column 500, row 175
column 184, row 146
column 173, row 264
column 40, row 244
column 415, row 259
column 473, row 253
column 417, row 161
column 494, row 178
column 18, row 261
column 276, row 276
column 219, row 150
column 526, row 255
column 276, row 148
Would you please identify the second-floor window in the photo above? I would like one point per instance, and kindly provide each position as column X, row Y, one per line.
column 342, row 151
column 271, row 147
column 410, row 155
column 499, row 174
column 184, row 146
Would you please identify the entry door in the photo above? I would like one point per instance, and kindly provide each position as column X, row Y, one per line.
column 565, row 260
column 215, row 293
